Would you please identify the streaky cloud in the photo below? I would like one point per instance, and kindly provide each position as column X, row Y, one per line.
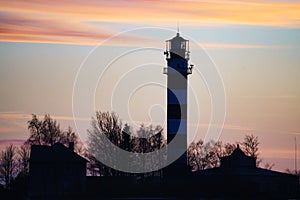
column 17, row 115
column 11, row 141
column 66, row 21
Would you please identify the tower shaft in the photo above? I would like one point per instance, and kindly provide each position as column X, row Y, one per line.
column 177, row 114
column 177, row 56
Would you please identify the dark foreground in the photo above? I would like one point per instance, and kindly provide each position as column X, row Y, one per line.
column 188, row 187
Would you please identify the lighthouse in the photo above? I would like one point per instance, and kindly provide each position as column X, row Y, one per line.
column 177, row 71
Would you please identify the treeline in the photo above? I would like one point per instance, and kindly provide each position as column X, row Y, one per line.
column 204, row 156
column 108, row 125
column 14, row 164
column 14, row 161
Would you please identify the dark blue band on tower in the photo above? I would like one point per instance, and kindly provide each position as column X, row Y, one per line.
column 177, row 126
column 177, row 111
column 177, row 96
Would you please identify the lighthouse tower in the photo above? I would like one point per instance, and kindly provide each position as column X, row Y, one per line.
column 177, row 71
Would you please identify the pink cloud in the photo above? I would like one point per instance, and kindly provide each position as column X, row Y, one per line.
column 11, row 141
column 15, row 26
column 66, row 21
column 5, row 129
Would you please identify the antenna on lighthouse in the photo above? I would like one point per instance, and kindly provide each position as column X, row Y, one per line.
column 177, row 28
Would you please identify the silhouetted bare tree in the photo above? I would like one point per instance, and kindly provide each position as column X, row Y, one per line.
column 250, row 147
column 23, row 158
column 204, row 156
column 107, row 125
column 44, row 132
column 292, row 171
column 48, row 132
column 228, row 149
column 35, row 129
column 269, row 166
column 149, row 139
column 8, row 167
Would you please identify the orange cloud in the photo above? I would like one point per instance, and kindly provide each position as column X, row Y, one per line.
column 20, row 28
column 15, row 115
column 231, row 11
column 68, row 21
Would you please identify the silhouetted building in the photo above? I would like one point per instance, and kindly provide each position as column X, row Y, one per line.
column 238, row 176
column 177, row 56
column 56, row 172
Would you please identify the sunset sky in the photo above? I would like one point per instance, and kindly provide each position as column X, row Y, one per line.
column 254, row 44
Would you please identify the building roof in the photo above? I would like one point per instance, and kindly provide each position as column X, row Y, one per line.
column 239, row 164
column 55, row 153
column 178, row 37
column 238, row 159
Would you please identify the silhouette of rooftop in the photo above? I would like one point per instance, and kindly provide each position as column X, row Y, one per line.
column 238, row 159
column 55, row 153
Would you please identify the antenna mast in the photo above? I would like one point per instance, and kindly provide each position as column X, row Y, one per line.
column 295, row 155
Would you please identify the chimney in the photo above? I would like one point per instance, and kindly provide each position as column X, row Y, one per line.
column 71, row 146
